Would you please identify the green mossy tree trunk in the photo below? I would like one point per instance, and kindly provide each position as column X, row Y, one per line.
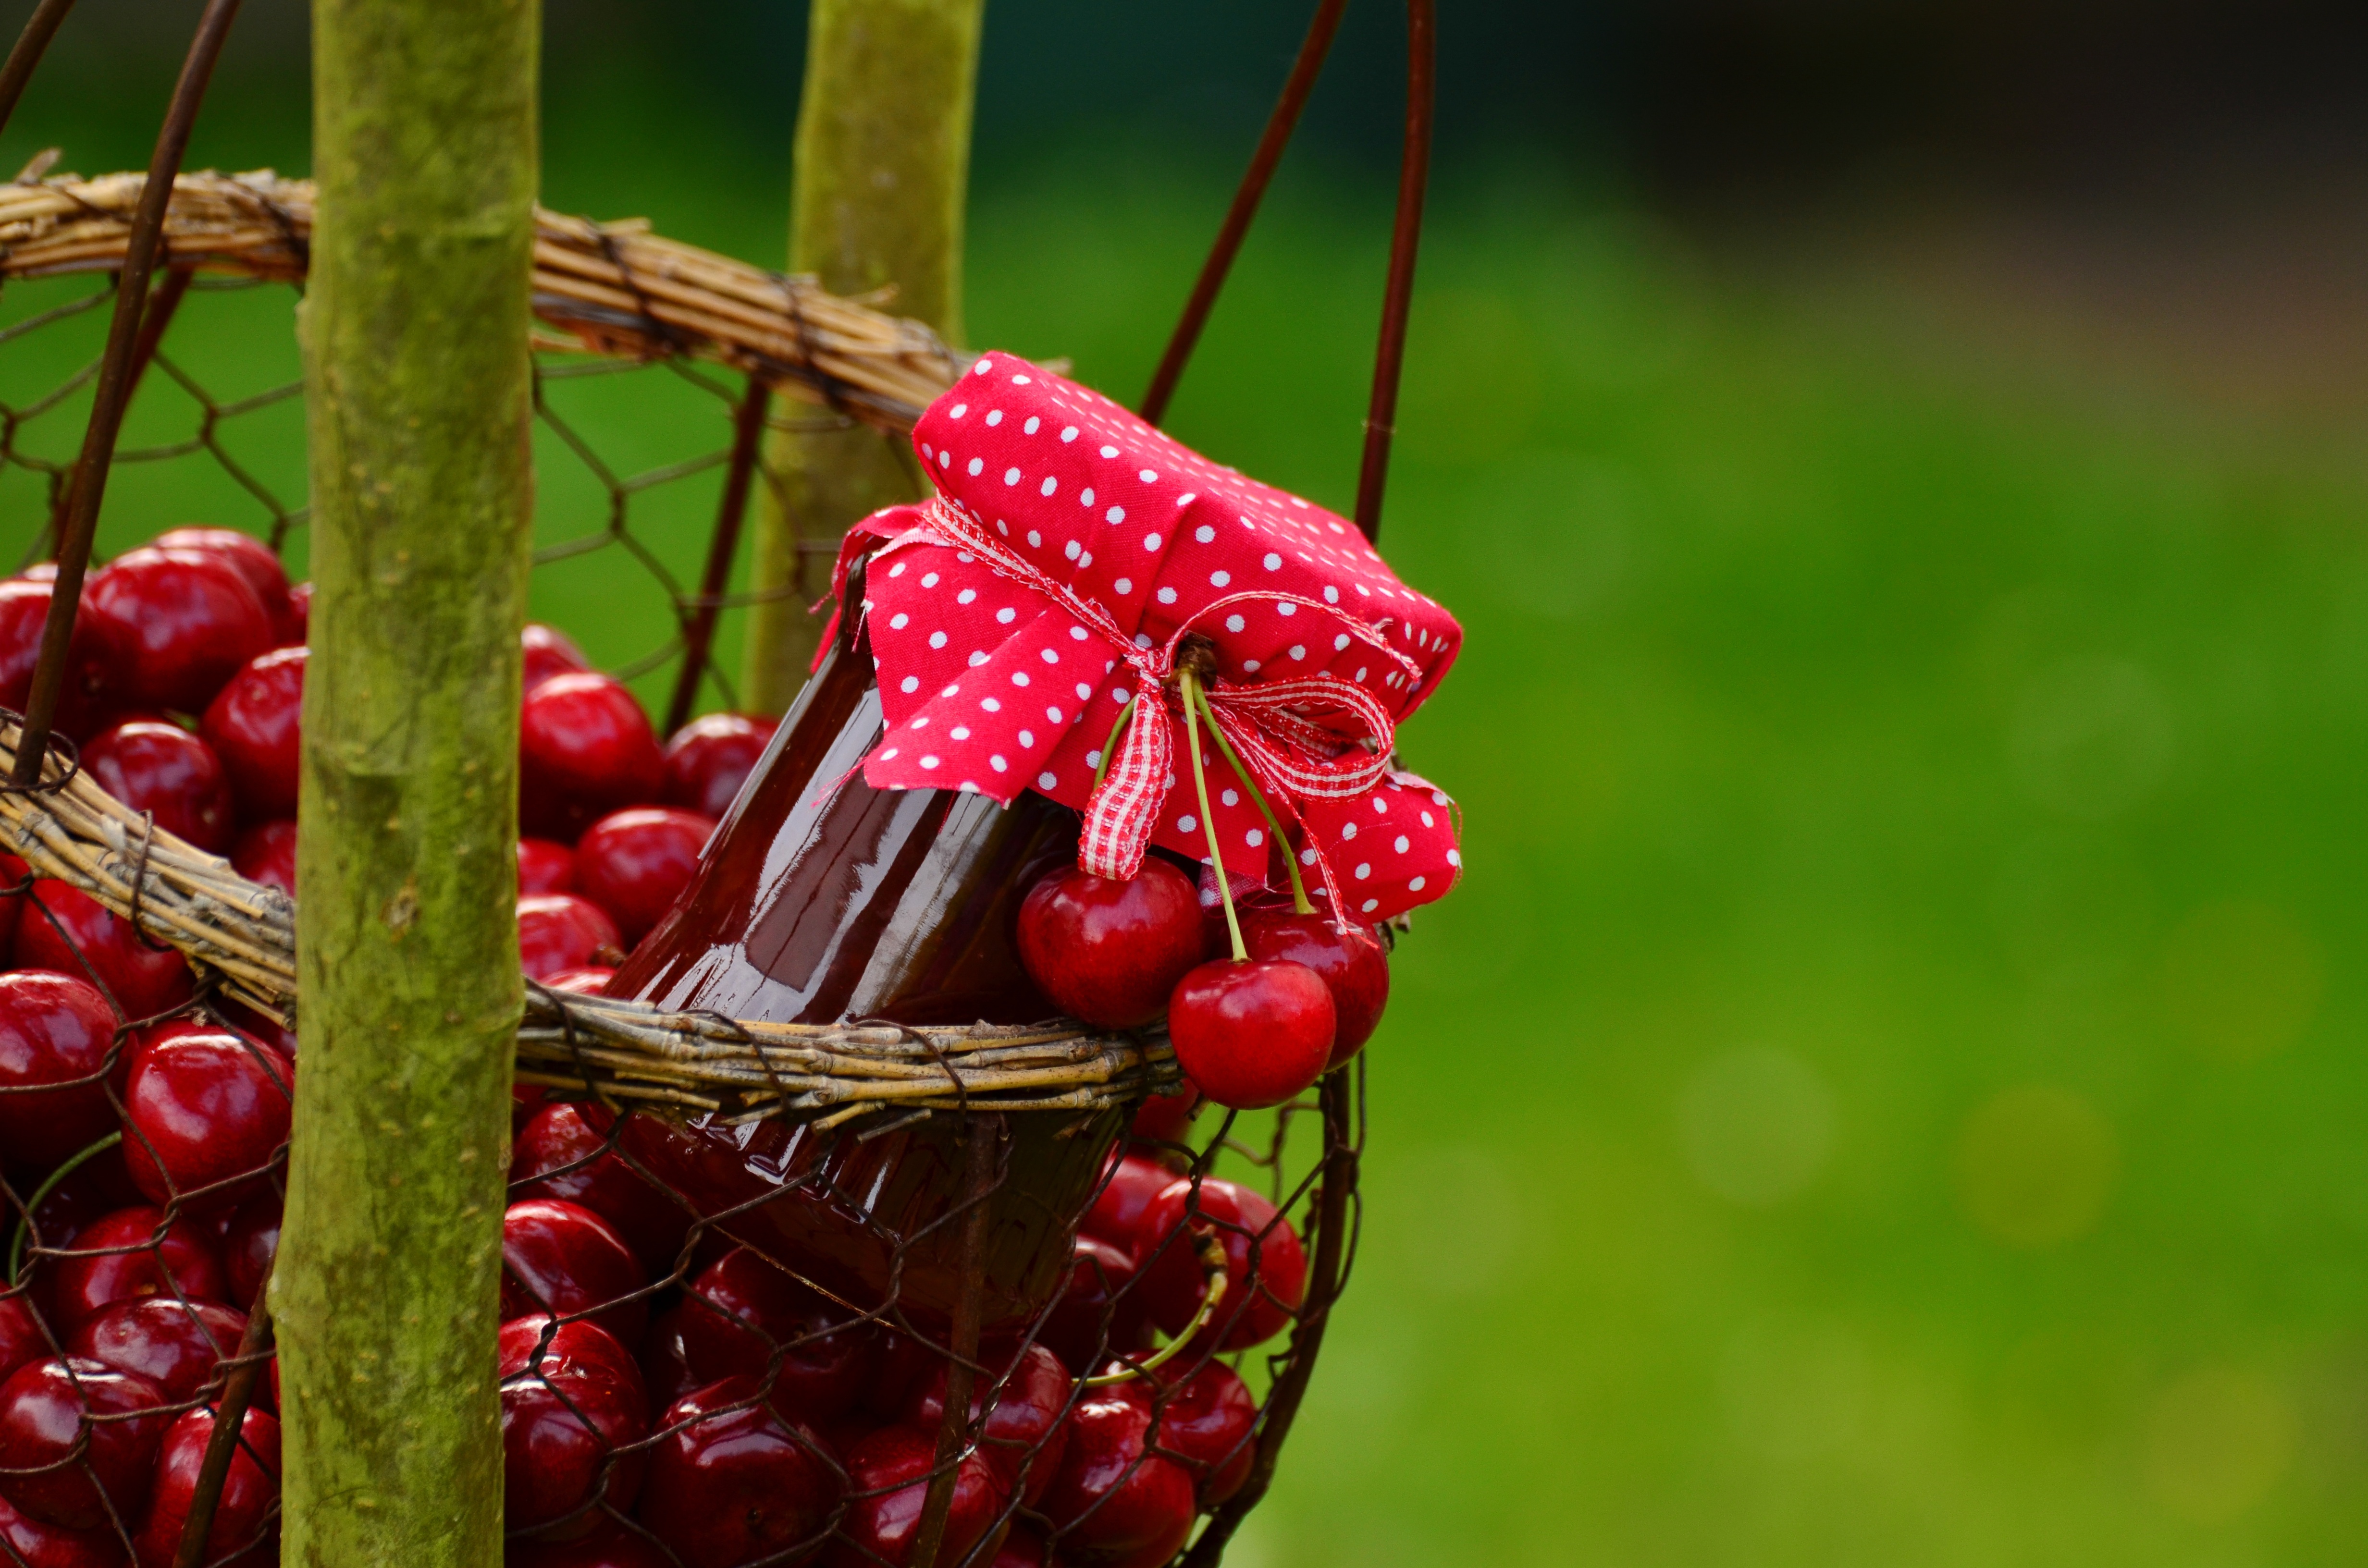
column 414, row 333
column 881, row 172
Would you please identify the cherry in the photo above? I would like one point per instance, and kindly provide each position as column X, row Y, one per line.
column 144, row 981
column 585, row 750
column 634, row 863
column 1133, row 1183
column 894, row 1462
column 249, row 1243
column 256, row 722
column 744, row 1310
column 175, row 1346
column 1350, row 960
column 247, row 555
column 182, row 621
column 14, row 873
column 91, row 657
column 203, row 1110
column 295, row 628
column 1208, row 1421
column 243, row 1514
column 130, row 1254
column 1251, row 1035
column 163, row 768
column 1097, row 1316
column 710, row 757
column 1112, row 1503
column 42, row 1411
column 1166, row 1118
column 560, row 931
column 1260, row 1295
column 266, row 853
column 904, row 1362
column 571, row 1399
column 1109, row 952
column 99, row 1186
column 734, row 1481
column 259, row 1026
column 563, row 1258
column 27, row 1542
column 547, row 652
column 612, row 1546
column 545, row 866
column 21, row 1339
column 565, row 1152
column 1023, row 1548
column 665, row 1364
column 55, row 1030
column 1023, row 1436
column 591, row 980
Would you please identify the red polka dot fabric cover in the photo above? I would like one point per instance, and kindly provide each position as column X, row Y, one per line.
column 1003, row 667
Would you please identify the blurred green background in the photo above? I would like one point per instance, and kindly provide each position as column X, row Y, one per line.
column 1889, row 1090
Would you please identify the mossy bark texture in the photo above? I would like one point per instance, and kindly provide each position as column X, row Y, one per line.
column 881, row 172
column 414, row 333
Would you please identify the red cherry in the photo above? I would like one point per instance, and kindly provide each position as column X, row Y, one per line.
column 612, row 1546
column 1097, row 1316
column 91, row 657
column 548, row 652
column 121, row 1256
column 249, row 1243
column 563, row 1258
column 296, row 626
column 732, row 1480
column 895, row 1463
column 1266, row 1265
column 255, row 723
column 99, row 1186
column 585, row 750
column 545, row 866
column 259, row 1026
column 1249, row 893
column 904, row 1362
column 1109, row 952
column 743, row 1311
column 1352, row 963
column 560, row 931
column 1024, row 1433
column 1023, row 1548
column 247, row 554
column 203, row 1111
column 710, row 757
column 571, row 1399
column 55, row 1030
column 1166, row 1118
column 592, row 980
column 43, row 1422
column 634, row 863
column 243, row 1513
column 1112, row 1503
column 27, row 1542
column 182, row 621
column 1209, row 1423
column 144, row 981
column 1133, row 1183
column 565, row 1153
column 164, row 769
column 175, row 1346
column 21, row 1339
column 1251, row 1035
column 266, row 854
column 665, row 1364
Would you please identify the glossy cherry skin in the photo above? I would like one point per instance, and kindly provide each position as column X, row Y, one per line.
column 242, row 1516
column 296, row 626
column 592, row 980
column 1209, row 1423
column 894, row 1462
column 1114, row 1504
column 175, row 1346
column 41, row 1411
column 144, row 981
column 1023, row 1548
column 183, row 622
column 548, row 652
column 255, row 724
column 1109, row 952
column 585, row 750
column 1352, row 963
column 1133, row 1186
column 634, row 863
column 560, row 931
column 249, row 1243
column 248, row 555
column 266, row 853
column 38, row 1545
column 742, row 1310
column 1251, row 1035
column 611, row 1546
column 565, row 1152
column 204, row 1108
column 120, row 1257
column 1024, row 1433
column 545, row 866
column 164, row 769
column 1261, row 1292
column 21, row 1339
column 1166, row 1118
column 55, row 1030
column 710, row 757
column 729, row 1487
column 1097, row 1316
column 563, row 1258
column 570, row 1398
column 91, row 657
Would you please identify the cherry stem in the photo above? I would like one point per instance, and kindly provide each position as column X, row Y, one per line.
column 1110, row 745
column 1191, row 684
column 41, row 1194
column 1298, row 905
column 1213, row 1272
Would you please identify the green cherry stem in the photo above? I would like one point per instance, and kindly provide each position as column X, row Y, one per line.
column 1110, row 746
column 1298, row 905
column 1192, row 703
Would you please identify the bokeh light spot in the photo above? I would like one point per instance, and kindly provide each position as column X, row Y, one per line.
column 2035, row 1165
column 2217, row 1441
column 2241, row 979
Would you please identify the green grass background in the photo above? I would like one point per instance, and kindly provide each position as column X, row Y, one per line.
column 1888, row 1090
